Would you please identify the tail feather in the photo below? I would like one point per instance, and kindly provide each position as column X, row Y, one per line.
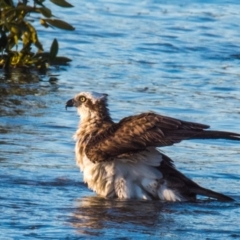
column 209, row 193
column 185, row 186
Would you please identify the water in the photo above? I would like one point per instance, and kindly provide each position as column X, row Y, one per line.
column 180, row 60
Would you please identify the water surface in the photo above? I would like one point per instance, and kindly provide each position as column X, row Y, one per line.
column 180, row 60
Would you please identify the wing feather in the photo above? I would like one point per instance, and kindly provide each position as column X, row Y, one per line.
column 136, row 133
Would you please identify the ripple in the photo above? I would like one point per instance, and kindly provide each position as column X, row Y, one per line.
column 177, row 58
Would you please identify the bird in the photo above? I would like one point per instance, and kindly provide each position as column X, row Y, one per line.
column 123, row 159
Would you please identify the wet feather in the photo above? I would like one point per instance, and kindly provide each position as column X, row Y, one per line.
column 121, row 159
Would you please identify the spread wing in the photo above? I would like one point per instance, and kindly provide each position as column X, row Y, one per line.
column 136, row 133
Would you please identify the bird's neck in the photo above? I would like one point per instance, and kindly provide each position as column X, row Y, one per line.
column 94, row 114
column 93, row 122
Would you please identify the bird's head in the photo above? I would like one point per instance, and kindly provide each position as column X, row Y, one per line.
column 89, row 104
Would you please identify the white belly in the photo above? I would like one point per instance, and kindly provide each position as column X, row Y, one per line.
column 126, row 179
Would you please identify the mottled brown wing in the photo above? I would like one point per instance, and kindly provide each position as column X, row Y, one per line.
column 136, row 133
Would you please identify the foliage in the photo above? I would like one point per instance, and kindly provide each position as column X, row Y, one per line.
column 18, row 35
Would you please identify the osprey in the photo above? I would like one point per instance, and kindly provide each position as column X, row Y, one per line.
column 122, row 160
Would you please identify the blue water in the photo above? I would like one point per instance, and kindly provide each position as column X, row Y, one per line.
column 178, row 59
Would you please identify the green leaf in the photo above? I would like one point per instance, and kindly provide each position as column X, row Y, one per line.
column 16, row 27
column 3, row 4
column 60, row 24
column 43, row 22
column 33, row 36
column 39, row 2
column 53, row 50
column 25, row 8
column 46, row 12
column 60, row 61
column 42, row 55
column 62, row 3
column 8, row 3
column 15, row 37
column 12, row 27
column 17, row 14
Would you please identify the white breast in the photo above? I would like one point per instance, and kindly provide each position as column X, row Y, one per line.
column 99, row 176
column 128, row 178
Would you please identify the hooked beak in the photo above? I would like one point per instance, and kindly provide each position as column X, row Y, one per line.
column 69, row 103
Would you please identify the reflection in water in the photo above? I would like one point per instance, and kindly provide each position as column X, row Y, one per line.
column 16, row 89
column 24, row 112
column 103, row 217
column 94, row 215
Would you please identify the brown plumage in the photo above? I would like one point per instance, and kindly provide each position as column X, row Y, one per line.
column 121, row 159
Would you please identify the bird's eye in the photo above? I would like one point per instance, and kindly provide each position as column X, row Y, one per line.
column 82, row 99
